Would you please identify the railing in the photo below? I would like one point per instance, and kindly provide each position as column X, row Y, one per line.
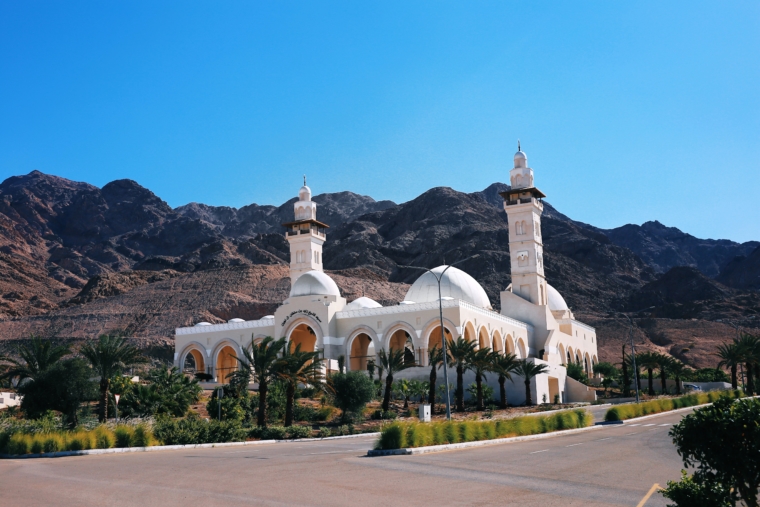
column 520, row 201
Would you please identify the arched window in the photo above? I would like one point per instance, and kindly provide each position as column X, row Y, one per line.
column 524, row 227
column 518, row 229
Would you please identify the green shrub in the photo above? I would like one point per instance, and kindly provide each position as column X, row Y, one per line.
column 324, row 432
column 52, row 443
column 630, row 411
column 194, row 431
column 352, row 391
column 417, row 434
column 299, row 432
column 36, row 447
column 143, row 437
column 104, row 438
column 19, row 444
column 79, row 441
column 123, row 435
column 324, row 414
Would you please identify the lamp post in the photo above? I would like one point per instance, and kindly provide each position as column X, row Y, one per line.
column 443, row 334
column 633, row 353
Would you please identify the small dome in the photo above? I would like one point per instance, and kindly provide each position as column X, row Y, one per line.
column 305, row 193
column 236, row 320
column 556, row 301
column 363, row 302
column 521, row 159
column 314, row 283
column 203, row 324
column 456, row 284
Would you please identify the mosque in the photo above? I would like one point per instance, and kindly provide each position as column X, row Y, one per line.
column 534, row 321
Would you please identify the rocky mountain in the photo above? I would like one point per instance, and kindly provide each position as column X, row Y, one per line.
column 77, row 260
column 663, row 247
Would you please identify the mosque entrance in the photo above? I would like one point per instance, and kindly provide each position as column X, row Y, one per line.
column 304, row 336
column 400, row 340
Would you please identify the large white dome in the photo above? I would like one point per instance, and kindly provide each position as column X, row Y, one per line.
column 363, row 302
column 314, row 283
column 556, row 301
column 455, row 284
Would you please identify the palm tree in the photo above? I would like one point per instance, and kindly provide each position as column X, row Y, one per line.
column 663, row 362
column 730, row 355
column 481, row 361
column 459, row 354
column 435, row 358
column 504, row 366
column 648, row 361
column 678, row 370
column 109, row 356
column 260, row 363
column 404, row 389
column 749, row 346
column 527, row 370
column 296, row 367
column 35, row 357
column 392, row 362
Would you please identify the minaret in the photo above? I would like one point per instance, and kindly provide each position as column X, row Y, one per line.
column 523, row 205
column 306, row 236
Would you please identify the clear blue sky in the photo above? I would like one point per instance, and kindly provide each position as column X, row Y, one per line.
column 628, row 111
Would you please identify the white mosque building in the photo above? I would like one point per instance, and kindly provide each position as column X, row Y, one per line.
column 534, row 321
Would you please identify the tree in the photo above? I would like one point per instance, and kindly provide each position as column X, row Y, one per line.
column 459, row 354
column 608, row 372
column 260, row 363
column 435, row 359
column 504, row 366
column 170, row 392
column 298, row 366
column 109, row 356
column 419, row 389
column 527, row 370
column 352, row 392
column 722, row 442
column 575, row 371
column 731, row 357
column 710, row 375
column 663, row 363
column 62, row 386
column 481, row 362
column 391, row 362
column 749, row 346
column 678, row 370
column 648, row 361
column 403, row 389
column 36, row 356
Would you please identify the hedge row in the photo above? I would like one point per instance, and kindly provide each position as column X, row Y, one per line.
column 101, row 437
column 629, row 411
column 416, row 434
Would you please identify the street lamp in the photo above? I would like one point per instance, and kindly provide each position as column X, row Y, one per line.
column 443, row 335
column 633, row 353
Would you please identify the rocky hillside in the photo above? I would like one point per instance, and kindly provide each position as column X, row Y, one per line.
column 77, row 260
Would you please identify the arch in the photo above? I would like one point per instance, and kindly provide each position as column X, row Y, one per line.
column 587, row 363
column 304, row 335
column 226, row 363
column 509, row 344
column 518, row 229
column 523, row 227
column 469, row 332
column 359, row 353
column 434, row 336
column 562, row 354
column 198, row 353
column 401, row 339
column 522, row 351
column 484, row 340
column 577, row 357
column 497, row 344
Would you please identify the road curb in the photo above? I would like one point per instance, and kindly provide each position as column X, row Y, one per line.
column 407, row 451
column 317, row 439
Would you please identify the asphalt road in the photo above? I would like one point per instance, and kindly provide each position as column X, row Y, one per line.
column 610, row 466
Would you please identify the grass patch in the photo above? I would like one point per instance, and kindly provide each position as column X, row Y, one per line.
column 399, row 435
column 630, row 411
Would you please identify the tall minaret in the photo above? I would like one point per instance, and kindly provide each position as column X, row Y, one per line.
column 306, row 236
column 523, row 205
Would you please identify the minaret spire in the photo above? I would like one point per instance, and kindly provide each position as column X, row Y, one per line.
column 304, row 176
column 518, row 149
